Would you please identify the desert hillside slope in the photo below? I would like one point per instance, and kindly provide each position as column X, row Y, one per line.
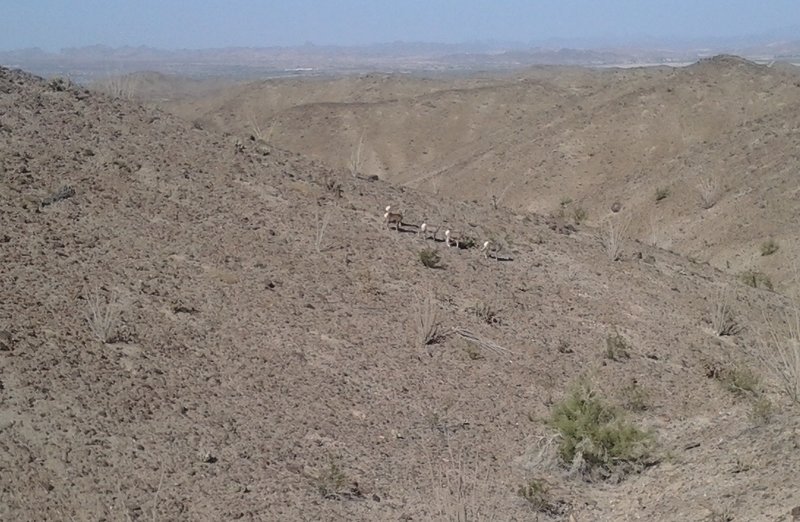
column 255, row 354
column 539, row 137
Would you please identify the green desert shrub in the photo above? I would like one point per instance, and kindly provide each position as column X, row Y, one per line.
column 756, row 279
column 430, row 258
column 769, row 247
column 595, row 436
column 617, row 348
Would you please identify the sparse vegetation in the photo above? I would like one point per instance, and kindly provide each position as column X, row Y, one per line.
column 722, row 515
column 740, row 380
column 331, row 481
column 497, row 199
column 322, row 224
column 427, row 323
column 577, row 213
column 458, row 491
column 708, row 188
column 356, row 161
column 485, row 313
column 761, row 410
column 103, row 315
column 635, row 397
column 430, row 258
column 722, row 320
column 662, row 193
column 59, row 84
column 65, row 192
column 596, row 438
column 779, row 349
column 756, row 279
column 617, row 348
column 123, row 86
column 467, row 242
column 769, row 247
column 473, row 352
column 537, row 494
column 611, row 236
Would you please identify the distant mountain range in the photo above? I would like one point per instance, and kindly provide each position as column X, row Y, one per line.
column 88, row 63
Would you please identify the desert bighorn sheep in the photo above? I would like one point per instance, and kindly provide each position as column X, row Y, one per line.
column 455, row 237
column 394, row 218
column 428, row 231
column 491, row 247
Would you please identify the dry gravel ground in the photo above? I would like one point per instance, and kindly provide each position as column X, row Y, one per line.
column 255, row 353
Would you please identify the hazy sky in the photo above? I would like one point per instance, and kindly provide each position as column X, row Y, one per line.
column 54, row 24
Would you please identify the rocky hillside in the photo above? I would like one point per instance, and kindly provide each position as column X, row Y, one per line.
column 198, row 326
column 703, row 157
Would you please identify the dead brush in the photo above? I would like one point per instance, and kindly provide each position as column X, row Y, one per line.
column 331, row 482
column 426, row 320
column 103, row 315
column 722, row 320
column 709, row 190
column 779, row 349
column 486, row 313
column 611, row 236
column 458, row 490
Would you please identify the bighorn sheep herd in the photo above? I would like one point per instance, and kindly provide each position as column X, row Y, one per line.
column 490, row 248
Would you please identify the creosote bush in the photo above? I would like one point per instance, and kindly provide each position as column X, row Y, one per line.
column 617, row 348
column 741, row 380
column 486, row 313
column 769, row 247
column 537, row 494
column 635, row 397
column 779, row 348
column 331, row 481
column 430, row 258
column 756, row 279
column 722, row 320
column 595, row 436
column 662, row 193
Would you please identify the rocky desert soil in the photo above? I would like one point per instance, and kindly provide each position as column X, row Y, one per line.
column 197, row 324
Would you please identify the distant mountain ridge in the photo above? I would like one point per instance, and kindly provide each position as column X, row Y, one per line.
column 87, row 63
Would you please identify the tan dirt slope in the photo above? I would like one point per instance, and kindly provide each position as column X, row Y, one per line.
column 255, row 354
column 538, row 137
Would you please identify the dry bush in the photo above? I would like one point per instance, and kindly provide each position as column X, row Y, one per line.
column 322, row 224
column 460, row 492
column 740, row 380
column 779, row 349
column 756, row 279
column 426, row 320
column 769, row 247
column 356, row 161
column 635, row 397
column 103, row 315
column 496, row 200
column 486, row 313
column 430, row 258
column 658, row 238
column 722, row 320
column 709, row 190
column 537, row 494
column 611, row 236
column 122, row 86
column 617, row 348
column 331, row 482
